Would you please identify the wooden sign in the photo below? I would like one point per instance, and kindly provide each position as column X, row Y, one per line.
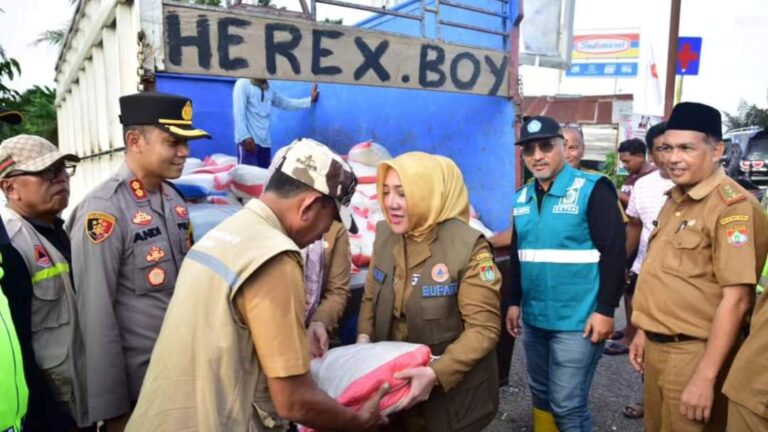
column 206, row 42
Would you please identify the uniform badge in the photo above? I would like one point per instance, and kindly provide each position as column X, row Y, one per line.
column 735, row 218
column 488, row 271
column 181, row 211
column 440, row 273
column 99, row 226
column 137, row 188
column 534, row 126
column 41, row 256
column 156, row 276
column 730, row 195
column 155, row 254
column 142, row 218
column 415, row 279
column 186, row 112
column 737, row 236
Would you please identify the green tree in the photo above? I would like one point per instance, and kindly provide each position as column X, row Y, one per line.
column 747, row 115
column 37, row 106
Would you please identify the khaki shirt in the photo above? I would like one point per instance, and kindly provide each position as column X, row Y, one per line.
column 478, row 304
column 713, row 236
column 127, row 246
column 275, row 294
column 337, row 264
column 747, row 383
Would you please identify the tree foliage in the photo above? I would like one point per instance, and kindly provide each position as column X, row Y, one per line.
column 747, row 115
column 37, row 106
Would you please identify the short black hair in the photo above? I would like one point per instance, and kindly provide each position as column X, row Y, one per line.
column 142, row 129
column 285, row 186
column 633, row 146
column 654, row 132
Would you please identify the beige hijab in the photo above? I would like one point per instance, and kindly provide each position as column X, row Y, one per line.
column 434, row 190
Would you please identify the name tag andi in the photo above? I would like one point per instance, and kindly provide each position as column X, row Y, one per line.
column 440, row 290
column 379, row 275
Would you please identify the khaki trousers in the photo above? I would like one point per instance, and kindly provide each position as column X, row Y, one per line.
column 668, row 369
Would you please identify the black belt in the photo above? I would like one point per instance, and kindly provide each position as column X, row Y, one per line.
column 664, row 339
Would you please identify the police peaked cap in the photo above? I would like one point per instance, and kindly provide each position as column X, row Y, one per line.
column 169, row 112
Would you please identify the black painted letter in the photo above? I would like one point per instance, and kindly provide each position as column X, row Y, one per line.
column 176, row 41
column 283, row 48
column 226, row 40
column 371, row 59
column 470, row 83
column 427, row 65
column 318, row 52
column 498, row 73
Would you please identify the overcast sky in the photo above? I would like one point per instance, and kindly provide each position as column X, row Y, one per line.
column 734, row 64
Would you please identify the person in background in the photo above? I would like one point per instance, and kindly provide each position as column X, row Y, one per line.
column 432, row 280
column 632, row 156
column 698, row 277
column 574, row 146
column 252, row 102
column 567, row 268
column 129, row 237
column 234, row 356
column 13, row 387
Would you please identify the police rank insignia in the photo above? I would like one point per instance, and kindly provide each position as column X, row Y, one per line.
column 737, row 236
column 41, row 256
column 155, row 254
column 142, row 218
column 181, row 211
column 137, row 189
column 156, row 276
column 99, row 226
column 440, row 273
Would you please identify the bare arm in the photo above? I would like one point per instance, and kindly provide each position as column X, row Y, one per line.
column 634, row 228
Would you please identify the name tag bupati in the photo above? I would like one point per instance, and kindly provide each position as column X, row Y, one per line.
column 445, row 290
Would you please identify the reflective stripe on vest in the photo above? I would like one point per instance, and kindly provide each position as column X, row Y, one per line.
column 215, row 265
column 559, row 256
column 50, row 273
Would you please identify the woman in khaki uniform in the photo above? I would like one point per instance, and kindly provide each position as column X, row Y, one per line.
column 432, row 280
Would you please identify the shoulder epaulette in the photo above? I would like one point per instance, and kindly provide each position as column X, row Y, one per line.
column 729, row 194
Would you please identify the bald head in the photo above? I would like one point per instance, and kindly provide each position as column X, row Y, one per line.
column 574, row 146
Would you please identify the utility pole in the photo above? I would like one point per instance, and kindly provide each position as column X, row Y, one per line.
column 674, row 30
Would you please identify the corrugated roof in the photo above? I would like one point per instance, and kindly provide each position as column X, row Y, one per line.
column 574, row 109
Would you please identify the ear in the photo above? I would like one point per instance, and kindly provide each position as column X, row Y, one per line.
column 133, row 140
column 310, row 202
column 719, row 149
column 9, row 189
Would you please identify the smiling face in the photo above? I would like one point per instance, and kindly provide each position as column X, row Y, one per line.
column 690, row 156
column 395, row 203
column 544, row 158
column 160, row 154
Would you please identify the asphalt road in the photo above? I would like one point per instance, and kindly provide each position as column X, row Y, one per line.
column 615, row 385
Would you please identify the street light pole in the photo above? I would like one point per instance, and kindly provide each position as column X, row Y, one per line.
column 674, row 30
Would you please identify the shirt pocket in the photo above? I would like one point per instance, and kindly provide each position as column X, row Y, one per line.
column 442, row 318
column 49, row 305
column 689, row 254
column 155, row 270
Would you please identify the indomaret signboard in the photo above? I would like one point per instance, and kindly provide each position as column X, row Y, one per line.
column 208, row 42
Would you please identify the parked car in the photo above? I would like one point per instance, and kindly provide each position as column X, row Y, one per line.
column 754, row 162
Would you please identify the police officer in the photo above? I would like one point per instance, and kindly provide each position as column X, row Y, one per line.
column 703, row 261
column 233, row 354
column 34, row 177
column 129, row 236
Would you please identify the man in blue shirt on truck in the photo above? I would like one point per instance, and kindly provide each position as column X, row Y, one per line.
column 252, row 102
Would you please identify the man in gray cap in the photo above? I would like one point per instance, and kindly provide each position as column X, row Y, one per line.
column 704, row 258
column 233, row 351
column 34, row 176
column 129, row 236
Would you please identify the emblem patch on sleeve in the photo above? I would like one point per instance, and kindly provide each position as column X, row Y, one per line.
column 737, row 236
column 488, row 271
column 99, row 226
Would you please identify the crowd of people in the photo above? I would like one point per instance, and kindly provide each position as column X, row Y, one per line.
column 117, row 320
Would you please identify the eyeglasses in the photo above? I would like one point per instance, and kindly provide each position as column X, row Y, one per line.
column 545, row 146
column 49, row 173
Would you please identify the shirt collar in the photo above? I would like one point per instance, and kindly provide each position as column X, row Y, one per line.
column 701, row 189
